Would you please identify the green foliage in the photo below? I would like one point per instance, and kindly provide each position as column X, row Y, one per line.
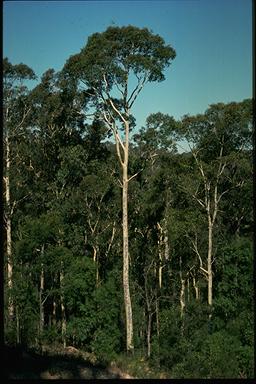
column 107, row 337
column 169, row 336
column 235, row 274
column 161, row 132
column 219, row 355
column 66, row 212
column 117, row 51
column 26, row 306
column 78, row 284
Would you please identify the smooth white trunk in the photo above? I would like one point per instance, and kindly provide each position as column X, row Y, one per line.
column 209, row 264
column 95, row 259
column 126, row 286
column 9, row 233
column 182, row 297
column 182, row 291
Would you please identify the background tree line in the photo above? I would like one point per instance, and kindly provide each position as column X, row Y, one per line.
column 190, row 215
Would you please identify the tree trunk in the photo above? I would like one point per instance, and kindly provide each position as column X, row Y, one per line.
column 54, row 312
column 63, row 311
column 182, row 297
column 127, row 297
column 166, row 244
column 95, row 259
column 188, row 290
column 157, row 320
column 9, row 233
column 196, row 288
column 149, row 334
column 163, row 246
column 41, row 304
column 17, row 326
column 123, row 158
column 209, row 262
column 158, row 334
column 182, row 292
column 160, row 276
column 160, row 245
column 126, row 286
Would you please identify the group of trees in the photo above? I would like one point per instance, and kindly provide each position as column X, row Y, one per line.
column 184, row 257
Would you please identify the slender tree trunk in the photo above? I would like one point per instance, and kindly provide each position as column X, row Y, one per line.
column 95, row 259
column 166, row 244
column 142, row 331
column 160, row 276
column 54, row 312
column 54, row 304
column 123, row 158
column 149, row 334
column 209, row 263
column 158, row 333
column 160, row 251
column 160, row 245
column 17, row 326
column 9, row 233
column 111, row 240
column 157, row 320
column 41, row 304
column 182, row 292
column 63, row 311
column 182, row 297
column 163, row 250
column 188, row 290
column 196, row 288
column 127, row 297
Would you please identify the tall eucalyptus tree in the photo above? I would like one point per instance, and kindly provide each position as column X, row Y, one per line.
column 114, row 66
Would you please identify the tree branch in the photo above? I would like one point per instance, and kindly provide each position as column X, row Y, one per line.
column 134, row 176
column 195, row 248
column 117, row 138
column 111, row 239
column 136, row 92
column 111, row 101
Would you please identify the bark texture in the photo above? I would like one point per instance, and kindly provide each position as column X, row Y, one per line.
column 126, row 286
column 9, row 232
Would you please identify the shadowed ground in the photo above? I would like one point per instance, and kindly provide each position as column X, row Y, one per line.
column 20, row 363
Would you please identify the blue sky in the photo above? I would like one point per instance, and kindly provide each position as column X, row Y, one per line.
column 212, row 39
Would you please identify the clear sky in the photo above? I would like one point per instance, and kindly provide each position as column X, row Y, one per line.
column 212, row 39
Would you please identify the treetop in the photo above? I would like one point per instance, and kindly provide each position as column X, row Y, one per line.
column 119, row 50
